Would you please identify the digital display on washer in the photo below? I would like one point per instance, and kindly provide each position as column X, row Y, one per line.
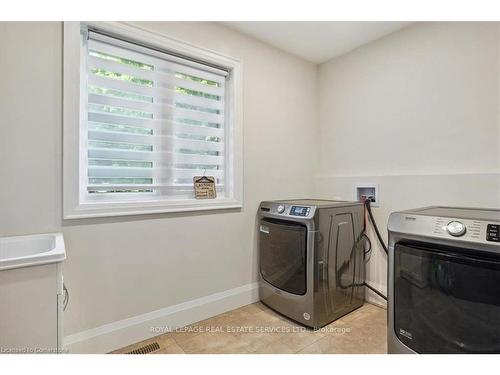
column 299, row 211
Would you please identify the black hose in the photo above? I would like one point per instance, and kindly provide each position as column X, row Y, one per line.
column 370, row 214
column 377, row 232
column 339, row 280
column 365, row 252
column 369, row 242
column 375, row 291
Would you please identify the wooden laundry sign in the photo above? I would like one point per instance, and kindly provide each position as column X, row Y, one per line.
column 204, row 187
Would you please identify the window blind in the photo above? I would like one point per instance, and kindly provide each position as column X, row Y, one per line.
column 154, row 121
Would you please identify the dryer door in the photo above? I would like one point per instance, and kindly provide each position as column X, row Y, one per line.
column 283, row 249
column 446, row 300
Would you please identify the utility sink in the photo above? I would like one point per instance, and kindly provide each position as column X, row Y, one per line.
column 32, row 250
column 31, row 293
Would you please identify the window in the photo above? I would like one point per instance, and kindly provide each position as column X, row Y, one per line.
column 143, row 115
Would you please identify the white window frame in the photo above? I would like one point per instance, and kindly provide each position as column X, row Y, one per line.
column 74, row 189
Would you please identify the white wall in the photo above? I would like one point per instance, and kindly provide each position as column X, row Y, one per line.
column 122, row 267
column 417, row 113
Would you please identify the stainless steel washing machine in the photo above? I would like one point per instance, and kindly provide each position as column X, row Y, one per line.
column 444, row 281
column 312, row 264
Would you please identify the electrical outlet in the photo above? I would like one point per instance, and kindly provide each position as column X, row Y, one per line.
column 363, row 192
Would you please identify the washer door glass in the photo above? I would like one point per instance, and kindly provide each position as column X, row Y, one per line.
column 283, row 254
column 446, row 300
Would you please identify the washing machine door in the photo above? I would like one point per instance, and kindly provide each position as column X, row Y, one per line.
column 283, row 251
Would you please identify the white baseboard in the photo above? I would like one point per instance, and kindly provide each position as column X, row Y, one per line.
column 119, row 334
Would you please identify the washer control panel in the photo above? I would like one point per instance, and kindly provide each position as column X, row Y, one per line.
column 299, row 210
column 290, row 210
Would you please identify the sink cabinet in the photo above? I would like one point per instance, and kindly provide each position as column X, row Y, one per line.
column 31, row 309
column 31, row 293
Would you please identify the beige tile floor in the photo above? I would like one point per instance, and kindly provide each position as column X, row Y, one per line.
column 256, row 329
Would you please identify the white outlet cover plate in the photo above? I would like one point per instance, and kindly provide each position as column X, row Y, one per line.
column 368, row 186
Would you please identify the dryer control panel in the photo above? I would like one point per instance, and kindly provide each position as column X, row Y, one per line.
column 492, row 232
column 473, row 231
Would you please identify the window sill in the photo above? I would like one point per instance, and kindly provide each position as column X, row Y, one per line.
column 95, row 210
